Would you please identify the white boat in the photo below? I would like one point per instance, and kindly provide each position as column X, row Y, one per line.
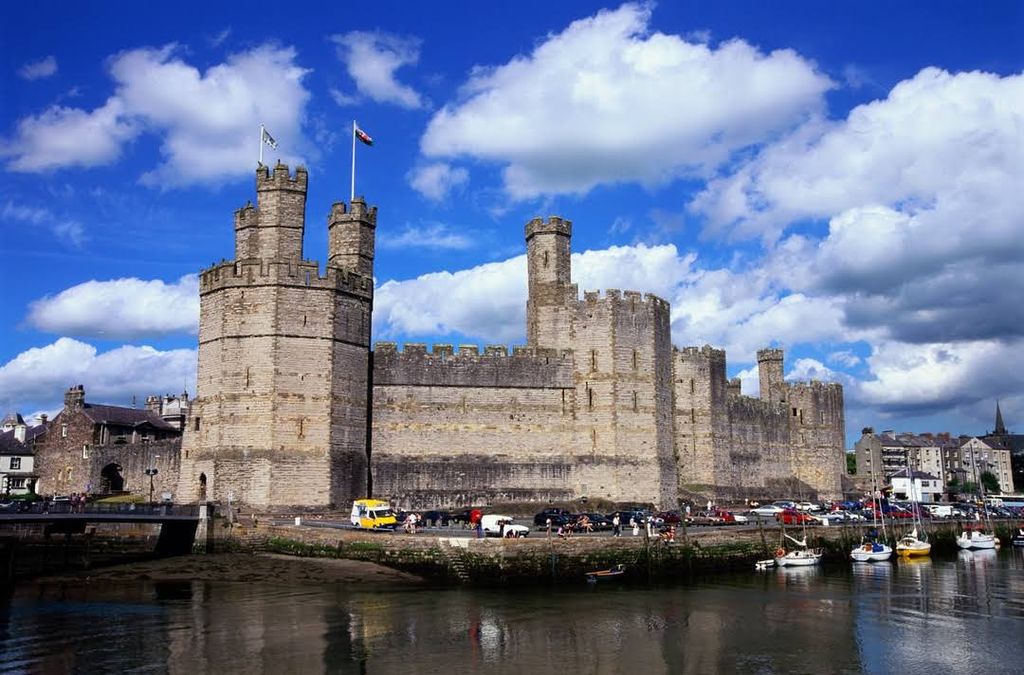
column 911, row 545
column 798, row 557
column 976, row 540
column 871, row 551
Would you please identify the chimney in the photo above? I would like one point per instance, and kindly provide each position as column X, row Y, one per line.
column 74, row 398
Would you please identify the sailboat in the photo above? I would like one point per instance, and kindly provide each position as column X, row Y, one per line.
column 976, row 538
column 870, row 549
column 911, row 545
column 798, row 557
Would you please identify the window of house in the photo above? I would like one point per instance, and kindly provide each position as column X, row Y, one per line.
column 85, row 451
column 16, row 483
column 15, row 463
column 63, row 431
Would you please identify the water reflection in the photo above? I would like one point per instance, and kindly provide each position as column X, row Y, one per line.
column 908, row 617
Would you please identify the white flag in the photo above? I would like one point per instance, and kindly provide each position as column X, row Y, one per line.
column 269, row 140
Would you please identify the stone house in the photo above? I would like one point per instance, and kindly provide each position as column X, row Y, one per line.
column 105, row 449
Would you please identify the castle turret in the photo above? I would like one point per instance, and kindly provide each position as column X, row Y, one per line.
column 273, row 229
column 769, row 372
column 549, row 271
column 350, row 236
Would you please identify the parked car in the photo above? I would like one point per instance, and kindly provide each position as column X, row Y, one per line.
column 558, row 517
column 598, row 521
column 772, row 510
column 739, row 518
column 436, row 518
column 794, row 517
column 670, row 517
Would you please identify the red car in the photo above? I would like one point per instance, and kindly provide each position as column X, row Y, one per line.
column 794, row 517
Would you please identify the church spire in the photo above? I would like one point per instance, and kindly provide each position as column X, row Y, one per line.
column 1000, row 429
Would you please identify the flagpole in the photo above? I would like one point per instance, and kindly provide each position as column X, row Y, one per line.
column 261, row 145
column 352, row 196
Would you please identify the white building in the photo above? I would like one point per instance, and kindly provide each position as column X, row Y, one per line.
column 918, row 487
column 977, row 457
column 17, row 463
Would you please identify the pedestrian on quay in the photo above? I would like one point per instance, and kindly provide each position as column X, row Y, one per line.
column 616, row 526
column 636, row 526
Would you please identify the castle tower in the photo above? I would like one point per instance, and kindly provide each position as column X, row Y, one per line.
column 279, row 417
column 550, row 285
column 350, row 237
column 769, row 373
column 273, row 229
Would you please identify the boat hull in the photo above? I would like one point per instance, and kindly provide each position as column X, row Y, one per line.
column 790, row 560
column 917, row 550
column 977, row 542
column 860, row 555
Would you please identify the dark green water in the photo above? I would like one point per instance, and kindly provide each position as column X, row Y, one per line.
column 962, row 615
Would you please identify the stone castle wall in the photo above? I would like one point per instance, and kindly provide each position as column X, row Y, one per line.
column 597, row 404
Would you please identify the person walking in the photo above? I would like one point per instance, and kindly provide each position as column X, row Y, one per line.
column 616, row 526
column 636, row 526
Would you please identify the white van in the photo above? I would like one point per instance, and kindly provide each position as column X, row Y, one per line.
column 492, row 525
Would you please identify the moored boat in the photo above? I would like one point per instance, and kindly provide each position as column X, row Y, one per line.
column 977, row 540
column 609, row 574
column 798, row 557
column 911, row 545
column 871, row 551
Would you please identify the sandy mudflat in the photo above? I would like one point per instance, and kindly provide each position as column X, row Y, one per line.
column 263, row 567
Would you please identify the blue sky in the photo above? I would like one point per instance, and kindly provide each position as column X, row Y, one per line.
column 842, row 181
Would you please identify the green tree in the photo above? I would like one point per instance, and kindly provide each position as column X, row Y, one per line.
column 990, row 482
column 851, row 463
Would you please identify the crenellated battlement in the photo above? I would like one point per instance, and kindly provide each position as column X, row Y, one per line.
column 617, row 297
column 444, row 351
column 552, row 225
column 524, row 367
column 262, row 272
column 705, row 353
column 770, row 355
column 358, row 211
column 246, row 217
column 281, row 179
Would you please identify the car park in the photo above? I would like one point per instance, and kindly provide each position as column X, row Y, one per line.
column 771, row 510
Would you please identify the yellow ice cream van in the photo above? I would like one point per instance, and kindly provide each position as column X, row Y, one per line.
column 373, row 514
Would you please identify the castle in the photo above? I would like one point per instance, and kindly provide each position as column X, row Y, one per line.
column 293, row 407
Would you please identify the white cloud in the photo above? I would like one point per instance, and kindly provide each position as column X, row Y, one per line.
column 845, row 357
column 606, row 101
column 435, row 236
column 37, row 377
column 343, row 99
column 884, row 155
column 126, row 308
column 371, row 60
column 927, row 378
column 206, row 119
column 38, row 70
column 218, row 39
column 66, row 230
column 64, row 137
column 437, row 179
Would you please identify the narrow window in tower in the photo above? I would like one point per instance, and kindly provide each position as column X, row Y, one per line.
column 590, row 398
column 563, row 402
column 545, row 259
column 247, row 377
column 303, row 320
column 691, row 385
column 693, row 415
column 794, row 412
column 801, row 417
column 195, row 426
column 302, row 433
column 593, row 359
column 636, row 405
column 634, row 359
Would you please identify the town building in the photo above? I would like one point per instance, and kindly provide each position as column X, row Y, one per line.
column 1014, row 443
column 17, row 461
column 917, row 486
column 886, row 454
column 294, row 408
column 94, row 448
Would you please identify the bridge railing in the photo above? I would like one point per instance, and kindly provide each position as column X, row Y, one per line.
column 60, row 507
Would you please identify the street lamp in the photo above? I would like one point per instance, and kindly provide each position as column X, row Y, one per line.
column 151, row 473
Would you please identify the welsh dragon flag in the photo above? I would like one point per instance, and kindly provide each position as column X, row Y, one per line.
column 363, row 136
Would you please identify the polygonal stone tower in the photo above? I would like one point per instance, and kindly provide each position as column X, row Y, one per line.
column 280, row 417
column 551, row 290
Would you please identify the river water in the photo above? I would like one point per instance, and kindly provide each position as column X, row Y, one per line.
column 958, row 615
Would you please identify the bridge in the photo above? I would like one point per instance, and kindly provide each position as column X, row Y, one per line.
column 178, row 524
